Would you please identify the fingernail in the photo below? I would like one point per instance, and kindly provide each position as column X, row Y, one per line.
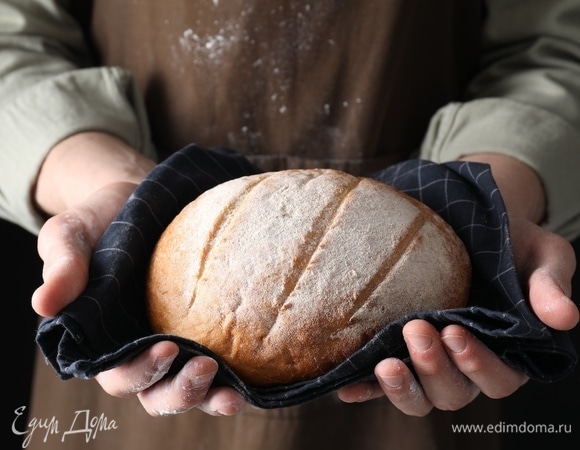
column 393, row 382
column 162, row 365
column 201, row 381
column 368, row 393
column 454, row 342
column 420, row 342
column 160, row 369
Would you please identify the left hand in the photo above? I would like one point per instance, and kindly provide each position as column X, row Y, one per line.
column 452, row 366
column 83, row 183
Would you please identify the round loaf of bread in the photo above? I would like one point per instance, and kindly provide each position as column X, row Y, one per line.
column 284, row 275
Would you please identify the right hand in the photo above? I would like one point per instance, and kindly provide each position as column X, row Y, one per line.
column 83, row 184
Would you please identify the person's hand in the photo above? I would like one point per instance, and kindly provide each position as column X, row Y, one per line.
column 190, row 388
column 452, row 366
column 66, row 243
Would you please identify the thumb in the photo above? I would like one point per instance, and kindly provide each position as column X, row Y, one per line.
column 66, row 243
column 546, row 263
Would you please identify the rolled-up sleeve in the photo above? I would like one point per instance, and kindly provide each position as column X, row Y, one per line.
column 48, row 91
column 524, row 102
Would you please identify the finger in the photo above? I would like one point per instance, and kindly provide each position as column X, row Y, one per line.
column 445, row 386
column 401, row 388
column 394, row 379
column 140, row 373
column 66, row 243
column 222, row 401
column 360, row 392
column 480, row 364
column 181, row 392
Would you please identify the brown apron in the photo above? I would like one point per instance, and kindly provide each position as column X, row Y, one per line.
column 293, row 83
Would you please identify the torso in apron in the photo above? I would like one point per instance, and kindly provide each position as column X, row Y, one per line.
column 348, row 85
column 295, row 83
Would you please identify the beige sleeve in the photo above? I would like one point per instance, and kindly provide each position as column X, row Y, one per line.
column 48, row 91
column 525, row 101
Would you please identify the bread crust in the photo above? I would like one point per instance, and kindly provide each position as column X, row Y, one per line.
column 285, row 274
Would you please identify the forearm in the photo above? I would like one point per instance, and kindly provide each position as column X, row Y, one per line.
column 82, row 164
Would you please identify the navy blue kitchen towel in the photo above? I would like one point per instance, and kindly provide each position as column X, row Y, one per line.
column 107, row 325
